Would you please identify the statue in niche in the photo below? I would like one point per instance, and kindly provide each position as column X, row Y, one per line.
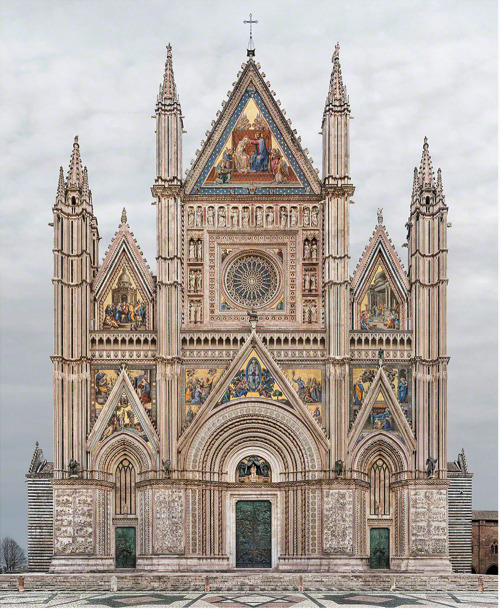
column 259, row 216
column 210, row 216
column 270, row 216
column 192, row 249
column 254, row 469
column 283, row 217
column 197, row 281
column 307, row 250
column 314, row 216
column 294, row 216
column 314, row 249
column 234, row 217
column 191, row 281
column 306, row 215
column 199, row 249
column 222, row 217
column 246, row 217
column 190, row 216
column 199, row 216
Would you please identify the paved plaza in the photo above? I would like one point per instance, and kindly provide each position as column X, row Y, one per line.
column 248, row 599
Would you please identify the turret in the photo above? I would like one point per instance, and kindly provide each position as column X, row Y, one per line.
column 337, row 190
column 76, row 239
column 427, row 263
column 166, row 191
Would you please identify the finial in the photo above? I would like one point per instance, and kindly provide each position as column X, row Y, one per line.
column 336, row 53
column 380, row 217
column 36, row 444
column 124, row 216
column 426, row 173
column 251, row 45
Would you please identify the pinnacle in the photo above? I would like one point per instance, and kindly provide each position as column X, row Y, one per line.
column 337, row 93
column 85, row 183
column 61, row 186
column 426, row 174
column 169, row 90
column 75, row 166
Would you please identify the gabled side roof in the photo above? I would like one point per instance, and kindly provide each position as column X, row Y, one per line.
column 251, row 88
column 124, row 242
column 380, row 244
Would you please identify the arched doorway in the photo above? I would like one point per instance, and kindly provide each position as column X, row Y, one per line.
column 492, row 570
column 125, row 506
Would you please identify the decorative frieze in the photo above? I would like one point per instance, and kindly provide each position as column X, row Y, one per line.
column 168, row 521
column 338, row 512
column 428, row 522
column 73, row 521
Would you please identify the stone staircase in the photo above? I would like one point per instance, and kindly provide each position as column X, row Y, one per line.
column 269, row 581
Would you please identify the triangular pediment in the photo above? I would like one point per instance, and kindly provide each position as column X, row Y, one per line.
column 252, row 148
column 124, row 286
column 380, row 287
column 255, row 376
column 381, row 413
column 123, row 413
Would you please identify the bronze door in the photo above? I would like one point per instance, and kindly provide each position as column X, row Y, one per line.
column 379, row 549
column 125, row 547
column 253, row 534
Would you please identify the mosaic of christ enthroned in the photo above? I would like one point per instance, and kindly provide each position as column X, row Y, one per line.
column 252, row 154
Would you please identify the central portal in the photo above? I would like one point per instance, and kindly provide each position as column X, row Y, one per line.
column 253, row 534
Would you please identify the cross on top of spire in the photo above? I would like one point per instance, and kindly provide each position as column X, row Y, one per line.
column 251, row 45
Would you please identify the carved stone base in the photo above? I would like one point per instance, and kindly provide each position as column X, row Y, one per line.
column 324, row 564
column 431, row 564
column 182, row 563
column 81, row 564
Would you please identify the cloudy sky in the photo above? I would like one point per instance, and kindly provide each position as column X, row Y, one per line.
column 92, row 68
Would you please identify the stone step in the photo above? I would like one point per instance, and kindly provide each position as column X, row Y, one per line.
column 225, row 582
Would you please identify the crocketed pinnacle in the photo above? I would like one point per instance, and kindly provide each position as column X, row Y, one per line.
column 168, row 89
column 124, row 216
column 426, row 174
column 337, row 93
column 85, row 182
column 75, row 167
column 61, row 186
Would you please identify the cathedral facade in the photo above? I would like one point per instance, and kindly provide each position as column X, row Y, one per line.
column 251, row 404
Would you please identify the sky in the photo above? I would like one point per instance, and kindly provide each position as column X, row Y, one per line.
column 92, row 68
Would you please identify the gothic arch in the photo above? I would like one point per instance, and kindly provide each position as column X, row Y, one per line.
column 118, row 446
column 236, row 429
column 384, row 445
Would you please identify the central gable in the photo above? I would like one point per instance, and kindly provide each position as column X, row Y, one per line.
column 252, row 149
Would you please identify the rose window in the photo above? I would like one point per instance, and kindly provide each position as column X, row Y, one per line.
column 252, row 280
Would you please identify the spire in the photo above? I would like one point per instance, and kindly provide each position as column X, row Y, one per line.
column 75, row 167
column 61, row 186
column 426, row 174
column 337, row 93
column 168, row 91
column 85, row 182
column 124, row 216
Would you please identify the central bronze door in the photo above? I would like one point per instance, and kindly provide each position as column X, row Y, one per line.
column 253, row 534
